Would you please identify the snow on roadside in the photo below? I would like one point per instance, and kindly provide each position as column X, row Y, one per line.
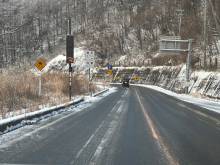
column 97, row 98
column 7, row 120
column 87, row 99
column 101, row 85
column 208, row 104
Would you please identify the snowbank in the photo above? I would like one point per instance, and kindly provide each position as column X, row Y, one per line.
column 59, row 62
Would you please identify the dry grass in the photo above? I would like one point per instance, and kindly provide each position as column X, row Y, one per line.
column 20, row 91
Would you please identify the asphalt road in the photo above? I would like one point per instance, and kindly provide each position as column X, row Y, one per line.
column 135, row 126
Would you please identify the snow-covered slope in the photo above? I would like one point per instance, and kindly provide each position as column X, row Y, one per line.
column 59, row 62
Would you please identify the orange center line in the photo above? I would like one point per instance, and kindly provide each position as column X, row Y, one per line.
column 156, row 136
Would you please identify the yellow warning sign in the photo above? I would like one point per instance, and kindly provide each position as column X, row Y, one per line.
column 109, row 72
column 40, row 63
column 136, row 78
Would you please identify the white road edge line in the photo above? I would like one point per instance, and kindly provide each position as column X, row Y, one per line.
column 97, row 130
column 108, row 134
column 93, row 135
column 199, row 113
column 88, row 141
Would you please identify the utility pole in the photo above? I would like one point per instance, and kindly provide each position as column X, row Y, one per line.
column 70, row 67
column 180, row 15
column 188, row 65
column 189, row 59
column 205, row 34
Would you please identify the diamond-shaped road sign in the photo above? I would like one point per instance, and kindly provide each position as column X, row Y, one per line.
column 40, row 63
column 109, row 72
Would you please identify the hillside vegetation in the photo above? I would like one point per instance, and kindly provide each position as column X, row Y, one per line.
column 112, row 28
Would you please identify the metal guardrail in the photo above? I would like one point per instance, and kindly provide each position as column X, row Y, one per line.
column 100, row 93
column 20, row 122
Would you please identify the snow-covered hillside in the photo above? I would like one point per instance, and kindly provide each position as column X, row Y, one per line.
column 59, row 62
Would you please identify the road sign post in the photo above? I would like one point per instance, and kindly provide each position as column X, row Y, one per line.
column 40, row 85
column 175, row 45
column 40, row 65
column 90, row 61
column 90, row 91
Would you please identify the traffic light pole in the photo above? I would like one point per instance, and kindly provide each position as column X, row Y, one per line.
column 70, row 67
column 70, row 81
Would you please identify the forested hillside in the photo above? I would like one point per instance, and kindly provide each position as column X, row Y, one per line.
column 112, row 28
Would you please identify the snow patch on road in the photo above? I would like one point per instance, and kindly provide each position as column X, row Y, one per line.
column 116, row 114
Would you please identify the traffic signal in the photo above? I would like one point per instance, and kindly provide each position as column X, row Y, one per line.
column 69, row 49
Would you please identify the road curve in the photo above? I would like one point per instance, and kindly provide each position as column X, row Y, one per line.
column 135, row 126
